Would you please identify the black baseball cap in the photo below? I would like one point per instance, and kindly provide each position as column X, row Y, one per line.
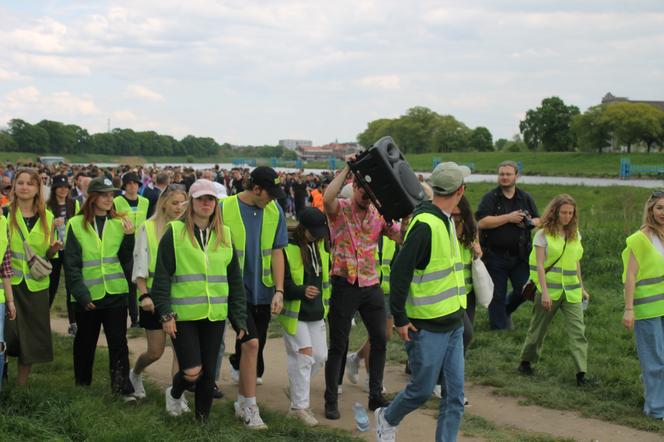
column 315, row 222
column 267, row 178
column 130, row 177
column 60, row 181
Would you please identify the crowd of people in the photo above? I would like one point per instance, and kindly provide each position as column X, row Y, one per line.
column 179, row 252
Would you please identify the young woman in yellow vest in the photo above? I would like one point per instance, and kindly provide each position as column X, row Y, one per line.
column 170, row 206
column 306, row 302
column 197, row 285
column 557, row 244
column 643, row 262
column 98, row 239
column 135, row 208
column 29, row 336
column 7, row 307
column 63, row 207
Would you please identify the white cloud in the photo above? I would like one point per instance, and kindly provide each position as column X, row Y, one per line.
column 381, row 82
column 28, row 102
column 134, row 91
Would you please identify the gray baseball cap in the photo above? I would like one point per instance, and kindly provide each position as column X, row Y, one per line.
column 447, row 177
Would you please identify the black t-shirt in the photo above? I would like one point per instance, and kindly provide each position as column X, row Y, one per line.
column 509, row 238
column 299, row 190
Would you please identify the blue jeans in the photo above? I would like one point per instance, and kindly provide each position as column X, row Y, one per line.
column 501, row 268
column 433, row 358
column 3, row 346
column 649, row 335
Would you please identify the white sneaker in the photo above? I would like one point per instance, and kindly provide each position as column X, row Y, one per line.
column 137, row 382
column 353, row 367
column 128, row 399
column 184, row 405
column 465, row 402
column 239, row 411
column 173, row 407
column 259, row 381
column 340, row 390
column 437, row 392
column 306, row 416
column 235, row 376
column 384, row 431
column 365, row 388
column 252, row 418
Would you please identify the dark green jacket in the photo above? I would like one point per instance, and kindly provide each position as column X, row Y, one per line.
column 414, row 254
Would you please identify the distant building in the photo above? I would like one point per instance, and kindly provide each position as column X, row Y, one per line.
column 294, row 144
column 337, row 150
column 610, row 98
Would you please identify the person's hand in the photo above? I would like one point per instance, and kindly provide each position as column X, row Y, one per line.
column 11, row 310
column 477, row 250
column 350, row 158
column 546, row 301
column 90, row 306
column 58, row 222
column 277, row 303
column 628, row 319
column 241, row 334
column 170, row 328
column 310, row 292
column 127, row 226
column 147, row 304
column 516, row 217
column 586, row 295
column 403, row 331
column 55, row 247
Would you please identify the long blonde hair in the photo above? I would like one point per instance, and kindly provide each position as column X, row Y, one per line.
column 37, row 202
column 216, row 224
column 159, row 217
column 550, row 221
column 649, row 221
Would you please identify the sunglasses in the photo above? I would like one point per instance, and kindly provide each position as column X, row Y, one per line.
column 657, row 194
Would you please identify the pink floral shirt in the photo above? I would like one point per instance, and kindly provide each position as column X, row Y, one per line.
column 355, row 241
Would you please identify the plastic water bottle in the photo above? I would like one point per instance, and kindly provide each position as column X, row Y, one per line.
column 361, row 417
column 584, row 303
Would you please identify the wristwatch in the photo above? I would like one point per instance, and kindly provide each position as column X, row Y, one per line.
column 168, row 316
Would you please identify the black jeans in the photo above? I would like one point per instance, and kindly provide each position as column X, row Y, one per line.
column 345, row 301
column 502, row 267
column 55, row 282
column 89, row 324
column 197, row 344
column 258, row 321
column 132, row 301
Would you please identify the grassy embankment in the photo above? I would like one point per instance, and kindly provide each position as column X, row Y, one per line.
column 540, row 163
column 607, row 217
column 51, row 408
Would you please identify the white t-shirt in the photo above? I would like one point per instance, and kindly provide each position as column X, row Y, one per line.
column 540, row 241
column 657, row 243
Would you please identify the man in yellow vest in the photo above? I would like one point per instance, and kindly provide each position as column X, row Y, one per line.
column 136, row 208
column 259, row 233
column 427, row 301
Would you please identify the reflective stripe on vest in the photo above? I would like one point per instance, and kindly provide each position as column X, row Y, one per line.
column 649, row 290
column 291, row 312
column 153, row 244
column 138, row 216
column 199, row 287
column 101, row 268
column 563, row 278
column 4, row 243
column 38, row 241
column 439, row 289
column 270, row 220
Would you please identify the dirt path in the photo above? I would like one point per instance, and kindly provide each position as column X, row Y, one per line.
column 419, row 425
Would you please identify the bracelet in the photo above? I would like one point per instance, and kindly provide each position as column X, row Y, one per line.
column 628, row 309
column 168, row 316
column 279, row 291
column 143, row 296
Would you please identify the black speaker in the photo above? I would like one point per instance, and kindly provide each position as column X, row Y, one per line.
column 386, row 176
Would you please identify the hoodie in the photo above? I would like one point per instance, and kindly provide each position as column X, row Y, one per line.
column 415, row 254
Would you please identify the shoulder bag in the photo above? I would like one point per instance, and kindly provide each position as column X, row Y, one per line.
column 40, row 267
column 530, row 288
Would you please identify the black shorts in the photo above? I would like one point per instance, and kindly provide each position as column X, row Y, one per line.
column 252, row 331
column 149, row 321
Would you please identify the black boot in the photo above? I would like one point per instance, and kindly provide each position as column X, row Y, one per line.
column 332, row 410
column 525, row 368
column 581, row 379
column 377, row 402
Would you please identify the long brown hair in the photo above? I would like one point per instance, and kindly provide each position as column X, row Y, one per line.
column 88, row 210
column 299, row 236
column 468, row 224
column 37, row 201
column 550, row 221
column 649, row 221
column 215, row 223
column 52, row 203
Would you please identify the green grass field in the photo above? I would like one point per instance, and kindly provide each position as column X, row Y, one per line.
column 534, row 163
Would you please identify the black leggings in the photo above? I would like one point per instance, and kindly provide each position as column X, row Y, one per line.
column 196, row 345
column 54, row 284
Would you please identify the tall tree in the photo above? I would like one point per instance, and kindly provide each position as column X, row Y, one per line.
column 591, row 129
column 481, row 139
column 631, row 123
column 549, row 127
column 31, row 138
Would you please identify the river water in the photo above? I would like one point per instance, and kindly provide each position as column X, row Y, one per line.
column 475, row 178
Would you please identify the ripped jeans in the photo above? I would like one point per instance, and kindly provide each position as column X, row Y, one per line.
column 3, row 346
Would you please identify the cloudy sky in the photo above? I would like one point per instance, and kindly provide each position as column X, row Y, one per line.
column 252, row 72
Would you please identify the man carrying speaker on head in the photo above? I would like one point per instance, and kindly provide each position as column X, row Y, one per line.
column 506, row 215
column 355, row 228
